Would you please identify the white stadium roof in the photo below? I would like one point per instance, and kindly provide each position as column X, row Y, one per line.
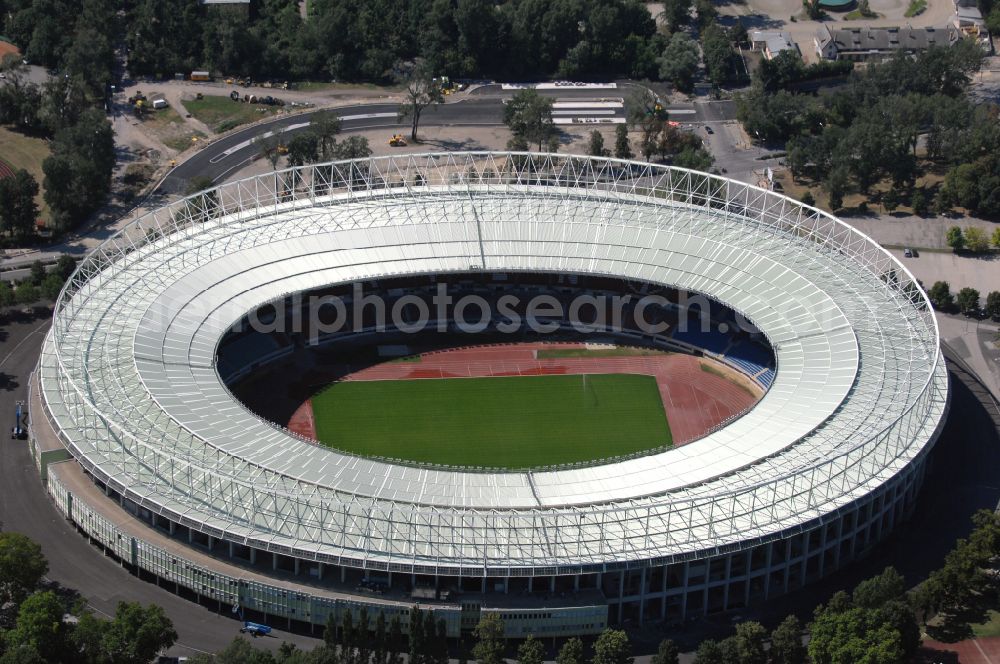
column 129, row 378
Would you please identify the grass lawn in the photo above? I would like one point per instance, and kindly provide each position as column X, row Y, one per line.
column 509, row 422
column 990, row 628
column 20, row 151
column 617, row 351
column 222, row 113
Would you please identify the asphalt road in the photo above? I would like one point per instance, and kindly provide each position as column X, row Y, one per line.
column 75, row 566
column 227, row 155
column 220, row 159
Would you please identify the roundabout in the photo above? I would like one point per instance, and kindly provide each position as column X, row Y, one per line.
column 819, row 470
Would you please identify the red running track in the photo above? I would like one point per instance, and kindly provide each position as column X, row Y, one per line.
column 695, row 400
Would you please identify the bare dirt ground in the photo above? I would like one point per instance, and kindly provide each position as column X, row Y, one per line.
column 446, row 139
column 695, row 400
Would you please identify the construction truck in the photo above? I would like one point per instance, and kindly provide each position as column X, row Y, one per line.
column 397, row 141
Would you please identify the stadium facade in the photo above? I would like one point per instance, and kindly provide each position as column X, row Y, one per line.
column 144, row 448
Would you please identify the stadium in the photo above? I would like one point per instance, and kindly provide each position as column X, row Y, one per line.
column 164, row 411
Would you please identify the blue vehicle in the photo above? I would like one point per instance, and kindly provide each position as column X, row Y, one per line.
column 18, row 432
column 254, row 629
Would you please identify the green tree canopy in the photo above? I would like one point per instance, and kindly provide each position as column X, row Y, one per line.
column 489, row 640
column 529, row 116
column 612, row 647
column 786, row 643
column 18, row 210
column 679, row 61
column 968, row 300
column 571, row 652
column 666, row 653
column 22, row 566
column 531, row 651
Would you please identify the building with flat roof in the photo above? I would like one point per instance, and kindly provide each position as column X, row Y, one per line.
column 772, row 42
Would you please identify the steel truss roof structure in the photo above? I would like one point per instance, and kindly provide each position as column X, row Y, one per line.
column 129, row 380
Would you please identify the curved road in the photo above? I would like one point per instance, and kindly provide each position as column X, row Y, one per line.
column 230, row 153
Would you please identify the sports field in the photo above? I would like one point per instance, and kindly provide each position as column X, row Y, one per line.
column 499, row 422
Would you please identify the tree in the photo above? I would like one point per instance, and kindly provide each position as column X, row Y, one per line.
column 22, row 567
column 571, row 652
column 968, row 301
column 26, row 293
column 940, row 295
column 380, row 640
column 303, row 148
column 679, row 61
column 854, row 635
column 976, row 240
column 676, row 13
column 748, row 643
column 40, row 625
column 717, row 52
column 612, row 647
column 531, row 651
column 919, row 202
column 37, row 273
column 809, row 199
column 78, row 172
column 529, row 116
column 786, row 643
column 354, row 147
column 51, row 286
column 363, row 637
column 992, row 308
column 422, row 91
column 439, row 649
column 6, row 294
column 137, row 633
column 489, row 640
column 666, row 653
column 65, row 266
column 269, row 146
column 418, row 641
column 955, row 238
column 596, row 147
column 623, row 150
column 239, row 651
column 836, row 187
column 395, row 644
column 709, row 652
column 18, row 210
column 891, row 199
column 875, row 592
column 325, row 126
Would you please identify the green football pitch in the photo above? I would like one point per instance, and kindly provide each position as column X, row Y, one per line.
column 505, row 422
